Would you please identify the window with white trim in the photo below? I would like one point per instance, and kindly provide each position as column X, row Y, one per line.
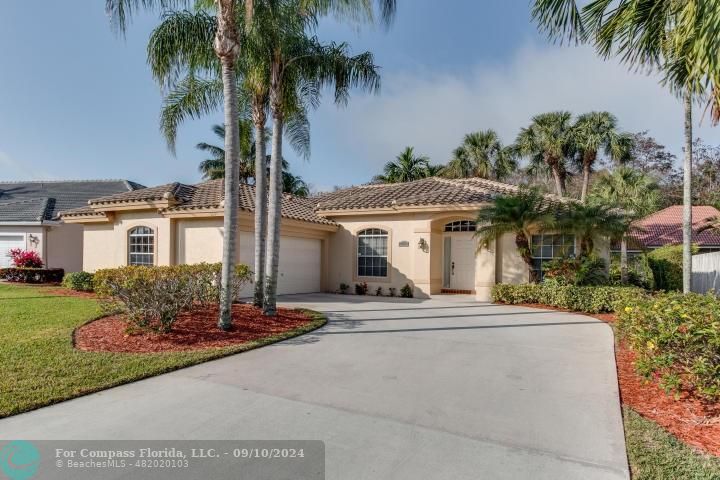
column 545, row 248
column 461, row 226
column 372, row 254
column 141, row 246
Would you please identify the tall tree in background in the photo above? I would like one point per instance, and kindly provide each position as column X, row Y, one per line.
column 214, row 168
column 482, row 155
column 594, row 132
column 677, row 38
column 637, row 193
column 549, row 141
column 408, row 166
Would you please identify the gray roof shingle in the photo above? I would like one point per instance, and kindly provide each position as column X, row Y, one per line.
column 44, row 200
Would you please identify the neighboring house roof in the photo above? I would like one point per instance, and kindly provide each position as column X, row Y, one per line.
column 205, row 195
column 665, row 228
column 38, row 201
column 425, row 192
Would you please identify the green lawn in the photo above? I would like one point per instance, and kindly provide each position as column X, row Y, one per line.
column 655, row 454
column 40, row 366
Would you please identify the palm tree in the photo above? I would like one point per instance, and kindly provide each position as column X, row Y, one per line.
column 549, row 140
column 635, row 192
column 522, row 215
column 214, row 168
column 481, row 155
column 589, row 221
column 597, row 131
column 407, row 167
column 295, row 185
column 677, row 38
column 300, row 66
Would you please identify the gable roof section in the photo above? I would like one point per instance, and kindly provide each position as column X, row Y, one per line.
column 665, row 227
column 432, row 191
column 43, row 200
column 203, row 196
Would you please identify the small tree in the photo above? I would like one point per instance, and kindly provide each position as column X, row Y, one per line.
column 588, row 221
column 521, row 214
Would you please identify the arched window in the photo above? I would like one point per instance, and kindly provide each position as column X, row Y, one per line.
column 141, row 246
column 372, row 254
column 461, row 226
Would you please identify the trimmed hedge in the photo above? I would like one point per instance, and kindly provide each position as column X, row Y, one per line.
column 666, row 265
column 153, row 297
column 677, row 340
column 32, row 275
column 79, row 281
column 571, row 297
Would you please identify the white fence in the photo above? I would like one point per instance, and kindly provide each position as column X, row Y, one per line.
column 706, row 272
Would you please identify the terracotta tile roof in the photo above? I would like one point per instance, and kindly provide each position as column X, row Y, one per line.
column 428, row 191
column 205, row 195
column 665, row 227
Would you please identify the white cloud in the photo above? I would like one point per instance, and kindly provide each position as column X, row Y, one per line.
column 432, row 111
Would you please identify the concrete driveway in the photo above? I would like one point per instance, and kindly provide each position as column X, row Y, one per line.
column 398, row 389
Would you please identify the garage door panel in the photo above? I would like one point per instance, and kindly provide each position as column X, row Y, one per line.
column 300, row 263
column 8, row 241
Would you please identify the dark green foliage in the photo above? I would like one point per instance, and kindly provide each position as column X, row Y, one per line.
column 585, row 271
column 677, row 339
column 32, row 275
column 378, row 291
column 571, row 297
column 344, row 287
column 406, row 291
column 666, row 265
column 361, row 288
column 79, row 281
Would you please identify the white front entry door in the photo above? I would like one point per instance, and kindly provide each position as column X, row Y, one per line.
column 459, row 261
column 7, row 243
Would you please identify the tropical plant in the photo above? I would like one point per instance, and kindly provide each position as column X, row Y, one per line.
column 677, row 38
column 635, row 192
column 295, row 185
column 590, row 221
column 548, row 141
column 25, row 258
column 407, row 167
column 522, row 215
column 214, row 168
column 483, row 155
column 597, row 131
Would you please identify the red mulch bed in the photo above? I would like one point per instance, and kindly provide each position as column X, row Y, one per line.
column 694, row 422
column 192, row 331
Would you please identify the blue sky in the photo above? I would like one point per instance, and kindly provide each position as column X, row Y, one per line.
column 77, row 101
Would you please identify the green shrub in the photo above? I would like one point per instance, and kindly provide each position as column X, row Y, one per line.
column 344, row 287
column 361, row 288
column 32, row 275
column 406, row 291
column 78, row 281
column 666, row 265
column 571, row 297
column 378, row 291
column 590, row 270
column 677, row 340
column 153, row 297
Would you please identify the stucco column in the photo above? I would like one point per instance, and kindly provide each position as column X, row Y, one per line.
column 484, row 273
column 421, row 245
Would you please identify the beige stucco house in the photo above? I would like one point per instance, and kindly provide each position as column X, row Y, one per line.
column 29, row 218
column 418, row 233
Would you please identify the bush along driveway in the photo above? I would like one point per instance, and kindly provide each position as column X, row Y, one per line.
column 41, row 367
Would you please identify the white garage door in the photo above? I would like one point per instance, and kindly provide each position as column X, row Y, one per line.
column 300, row 263
column 7, row 243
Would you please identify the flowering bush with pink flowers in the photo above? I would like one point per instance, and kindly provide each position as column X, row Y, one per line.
column 25, row 258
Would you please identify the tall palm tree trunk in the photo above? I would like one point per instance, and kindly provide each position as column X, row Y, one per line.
column 272, row 260
column 623, row 260
column 559, row 183
column 588, row 160
column 523, row 246
column 227, row 47
column 260, row 203
column 687, row 196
